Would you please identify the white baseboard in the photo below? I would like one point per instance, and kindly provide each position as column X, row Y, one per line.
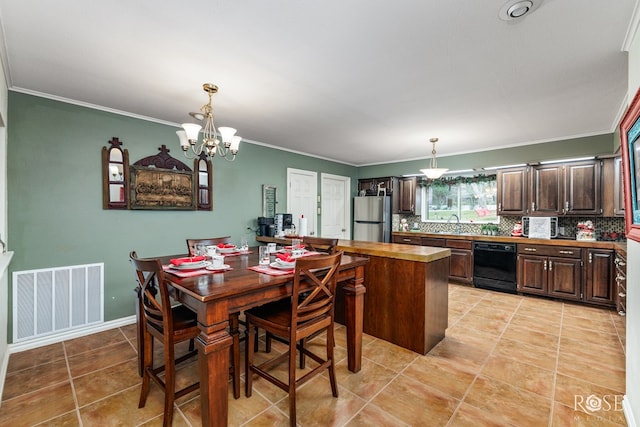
column 68, row 335
column 628, row 414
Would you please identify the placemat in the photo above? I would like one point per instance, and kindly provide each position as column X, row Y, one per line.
column 270, row 271
column 192, row 273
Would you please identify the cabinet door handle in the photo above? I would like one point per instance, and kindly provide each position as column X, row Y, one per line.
column 406, row 240
column 533, row 206
column 567, row 252
column 545, row 265
column 499, row 207
column 566, row 206
column 590, row 258
column 530, row 249
column 550, row 265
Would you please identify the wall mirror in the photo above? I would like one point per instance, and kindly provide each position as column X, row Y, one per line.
column 269, row 201
column 115, row 176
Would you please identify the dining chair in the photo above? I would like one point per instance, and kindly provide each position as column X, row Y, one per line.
column 212, row 241
column 166, row 323
column 321, row 244
column 317, row 244
column 294, row 319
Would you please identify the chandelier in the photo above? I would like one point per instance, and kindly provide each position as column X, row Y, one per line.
column 226, row 146
column 433, row 172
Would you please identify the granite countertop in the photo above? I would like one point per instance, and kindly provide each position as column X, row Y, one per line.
column 618, row 246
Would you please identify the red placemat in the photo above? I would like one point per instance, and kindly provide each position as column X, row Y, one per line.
column 270, row 271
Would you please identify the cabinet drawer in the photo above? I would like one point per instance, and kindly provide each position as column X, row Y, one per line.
column 458, row 244
column 431, row 241
column 554, row 251
column 408, row 240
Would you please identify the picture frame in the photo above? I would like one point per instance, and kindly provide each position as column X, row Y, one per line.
column 162, row 189
column 630, row 147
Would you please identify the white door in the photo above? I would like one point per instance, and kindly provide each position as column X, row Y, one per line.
column 335, row 206
column 302, row 195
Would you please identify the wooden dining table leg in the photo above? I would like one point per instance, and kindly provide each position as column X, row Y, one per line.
column 354, row 318
column 213, row 344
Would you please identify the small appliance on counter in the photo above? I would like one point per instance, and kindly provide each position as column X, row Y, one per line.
column 540, row 227
column 265, row 226
column 283, row 222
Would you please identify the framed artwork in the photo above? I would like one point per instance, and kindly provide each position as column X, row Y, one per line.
column 630, row 145
column 155, row 188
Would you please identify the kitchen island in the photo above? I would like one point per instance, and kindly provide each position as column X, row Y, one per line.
column 406, row 302
column 406, row 299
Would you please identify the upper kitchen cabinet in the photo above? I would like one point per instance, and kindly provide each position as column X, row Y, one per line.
column 618, row 188
column 407, row 196
column 582, row 188
column 371, row 186
column 611, row 178
column 512, row 191
column 566, row 189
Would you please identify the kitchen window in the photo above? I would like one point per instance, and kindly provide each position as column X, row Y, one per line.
column 472, row 199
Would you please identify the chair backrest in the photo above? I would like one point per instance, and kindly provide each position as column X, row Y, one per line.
column 320, row 272
column 212, row 241
column 156, row 309
column 320, row 244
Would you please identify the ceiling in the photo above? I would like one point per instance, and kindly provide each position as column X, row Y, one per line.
column 359, row 81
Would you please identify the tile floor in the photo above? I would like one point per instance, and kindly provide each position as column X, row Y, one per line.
column 506, row 361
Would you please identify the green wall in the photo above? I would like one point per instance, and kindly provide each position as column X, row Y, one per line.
column 569, row 148
column 55, row 215
column 55, row 210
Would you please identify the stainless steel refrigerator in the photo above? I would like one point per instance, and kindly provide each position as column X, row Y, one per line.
column 372, row 218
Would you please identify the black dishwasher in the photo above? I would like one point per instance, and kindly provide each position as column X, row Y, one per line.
column 494, row 266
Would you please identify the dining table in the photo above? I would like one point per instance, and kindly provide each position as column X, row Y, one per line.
column 214, row 295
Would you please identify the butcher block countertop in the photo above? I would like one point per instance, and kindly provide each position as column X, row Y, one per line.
column 385, row 250
column 617, row 246
column 394, row 250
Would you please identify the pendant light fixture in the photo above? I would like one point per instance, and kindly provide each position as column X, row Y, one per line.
column 433, row 172
column 226, row 147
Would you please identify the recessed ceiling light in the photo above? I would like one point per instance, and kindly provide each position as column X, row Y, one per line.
column 515, row 9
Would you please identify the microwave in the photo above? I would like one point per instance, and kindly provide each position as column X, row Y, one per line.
column 535, row 226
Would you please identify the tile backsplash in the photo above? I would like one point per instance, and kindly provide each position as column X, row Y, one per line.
column 601, row 224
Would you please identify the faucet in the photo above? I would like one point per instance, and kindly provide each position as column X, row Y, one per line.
column 457, row 222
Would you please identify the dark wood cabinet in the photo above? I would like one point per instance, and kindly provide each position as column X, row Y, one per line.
column 371, row 186
column 618, row 188
column 621, row 284
column 582, row 188
column 461, row 260
column 566, row 189
column 554, row 271
column 600, row 271
column 513, row 195
column 408, row 240
column 547, row 198
column 407, row 196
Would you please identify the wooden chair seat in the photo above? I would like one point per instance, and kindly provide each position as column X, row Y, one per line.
column 294, row 319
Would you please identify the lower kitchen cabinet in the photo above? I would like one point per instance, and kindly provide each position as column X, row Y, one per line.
column 554, row 271
column 621, row 284
column 461, row 260
column 599, row 286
